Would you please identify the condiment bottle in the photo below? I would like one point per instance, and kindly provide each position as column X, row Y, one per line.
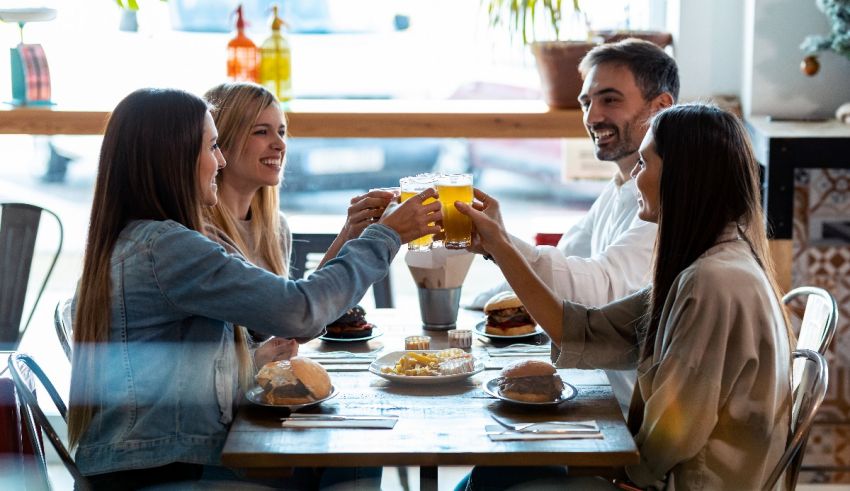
column 276, row 61
column 241, row 53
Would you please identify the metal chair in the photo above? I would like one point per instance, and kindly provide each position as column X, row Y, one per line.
column 37, row 423
column 62, row 321
column 306, row 245
column 810, row 381
column 19, row 226
column 819, row 319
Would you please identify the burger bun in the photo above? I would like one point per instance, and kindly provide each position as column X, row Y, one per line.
column 509, row 331
column 528, row 368
column 298, row 380
column 501, row 301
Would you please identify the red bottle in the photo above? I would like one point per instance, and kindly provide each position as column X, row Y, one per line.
column 242, row 56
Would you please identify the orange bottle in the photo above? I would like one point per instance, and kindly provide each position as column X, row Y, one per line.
column 242, row 58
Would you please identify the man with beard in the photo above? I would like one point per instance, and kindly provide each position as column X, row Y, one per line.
column 606, row 255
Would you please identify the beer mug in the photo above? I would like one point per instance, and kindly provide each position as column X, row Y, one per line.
column 411, row 186
column 456, row 226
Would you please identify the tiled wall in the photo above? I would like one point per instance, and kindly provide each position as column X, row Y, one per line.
column 822, row 194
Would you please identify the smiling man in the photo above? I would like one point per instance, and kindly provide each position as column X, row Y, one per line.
column 606, row 255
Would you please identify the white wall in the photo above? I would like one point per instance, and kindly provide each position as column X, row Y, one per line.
column 772, row 83
column 751, row 49
column 708, row 38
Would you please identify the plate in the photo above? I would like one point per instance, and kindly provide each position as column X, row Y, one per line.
column 492, row 388
column 390, row 359
column 255, row 396
column 375, row 333
column 479, row 329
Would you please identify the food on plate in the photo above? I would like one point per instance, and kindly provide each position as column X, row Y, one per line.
column 531, row 381
column 506, row 316
column 298, row 380
column 351, row 325
column 450, row 361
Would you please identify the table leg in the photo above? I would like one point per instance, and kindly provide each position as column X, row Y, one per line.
column 428, row 478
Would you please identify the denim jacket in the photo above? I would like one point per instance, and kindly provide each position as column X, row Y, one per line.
column 166, row 382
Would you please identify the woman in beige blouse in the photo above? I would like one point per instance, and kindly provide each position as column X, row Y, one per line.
column 708, row 338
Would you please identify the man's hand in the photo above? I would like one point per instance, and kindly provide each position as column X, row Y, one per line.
column 275, row 349
column 412, row 219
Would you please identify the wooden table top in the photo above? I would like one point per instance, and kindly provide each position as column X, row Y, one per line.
column 438, row 424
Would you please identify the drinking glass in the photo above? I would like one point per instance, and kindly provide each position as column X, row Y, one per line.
column 457, row 226
column 411, row 186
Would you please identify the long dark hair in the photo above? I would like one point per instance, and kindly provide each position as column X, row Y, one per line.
column 148, row 169
column 709, row 178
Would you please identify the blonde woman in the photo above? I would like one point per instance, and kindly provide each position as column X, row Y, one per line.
column 157, row 363
column 247, row 217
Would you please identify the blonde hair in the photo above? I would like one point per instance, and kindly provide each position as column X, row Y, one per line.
column 148, row 170
column 236, row 107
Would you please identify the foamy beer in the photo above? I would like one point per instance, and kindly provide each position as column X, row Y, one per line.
column 411, row 186
column 456, row 226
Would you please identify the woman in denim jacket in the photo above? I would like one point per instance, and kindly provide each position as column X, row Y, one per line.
column 157, row 364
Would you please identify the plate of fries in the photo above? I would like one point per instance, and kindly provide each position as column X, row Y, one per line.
column 426, row 366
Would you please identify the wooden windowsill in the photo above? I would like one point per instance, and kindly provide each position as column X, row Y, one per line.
column 351, row 119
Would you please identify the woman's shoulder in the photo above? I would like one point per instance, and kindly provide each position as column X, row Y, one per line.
column 725, row 268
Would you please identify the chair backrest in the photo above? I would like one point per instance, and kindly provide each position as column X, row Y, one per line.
column 62, row 321
column 811, row 378
column 819, row 319
column 307, row 247
column 19, row 224
column 20, row 365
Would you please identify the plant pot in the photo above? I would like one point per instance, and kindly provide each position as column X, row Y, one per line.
column 557, row 63
column 659, row 38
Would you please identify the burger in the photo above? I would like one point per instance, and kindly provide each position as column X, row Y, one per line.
column 531, row 381
column 506, row 316
column 351, row 325
column 298, row 380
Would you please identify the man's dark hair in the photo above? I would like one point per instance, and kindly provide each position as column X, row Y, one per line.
column 654, row 70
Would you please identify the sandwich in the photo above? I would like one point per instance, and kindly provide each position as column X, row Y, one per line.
column 506, row 316
column 351, row 325
column 531, row 381
column 298, row 380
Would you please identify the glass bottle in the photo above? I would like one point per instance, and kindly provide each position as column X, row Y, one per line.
column 276, row 61
column 241, row 53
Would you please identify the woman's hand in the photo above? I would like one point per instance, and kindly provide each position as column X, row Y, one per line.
column 365, row 210
column 412, row 219
column 275, row 349
column 487, row 220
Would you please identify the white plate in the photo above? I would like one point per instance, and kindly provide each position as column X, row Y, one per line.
column 255, row 396
column 481, row 331
column 492, row 388
column 375, row 333
column 390, row 359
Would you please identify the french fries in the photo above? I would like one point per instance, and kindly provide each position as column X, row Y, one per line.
column 418, row 364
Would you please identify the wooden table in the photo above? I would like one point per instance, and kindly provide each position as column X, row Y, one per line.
column 438, row 424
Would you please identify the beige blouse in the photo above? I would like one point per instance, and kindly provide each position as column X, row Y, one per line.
column 717, row 389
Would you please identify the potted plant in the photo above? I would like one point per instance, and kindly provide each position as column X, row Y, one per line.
column 557, row 59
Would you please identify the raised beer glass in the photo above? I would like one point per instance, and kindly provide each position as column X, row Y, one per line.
column 456, row 226
column 411, row 186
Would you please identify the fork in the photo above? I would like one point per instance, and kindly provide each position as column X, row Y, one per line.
column 526, row 427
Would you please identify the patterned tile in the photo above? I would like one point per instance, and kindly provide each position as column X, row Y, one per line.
column 822, row 194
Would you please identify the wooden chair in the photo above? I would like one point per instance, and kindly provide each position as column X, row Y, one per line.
column 19, row 226
column 306, row 248
column 62, row 321
column 819, row 319
column 810, row 381
column 21, row 366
